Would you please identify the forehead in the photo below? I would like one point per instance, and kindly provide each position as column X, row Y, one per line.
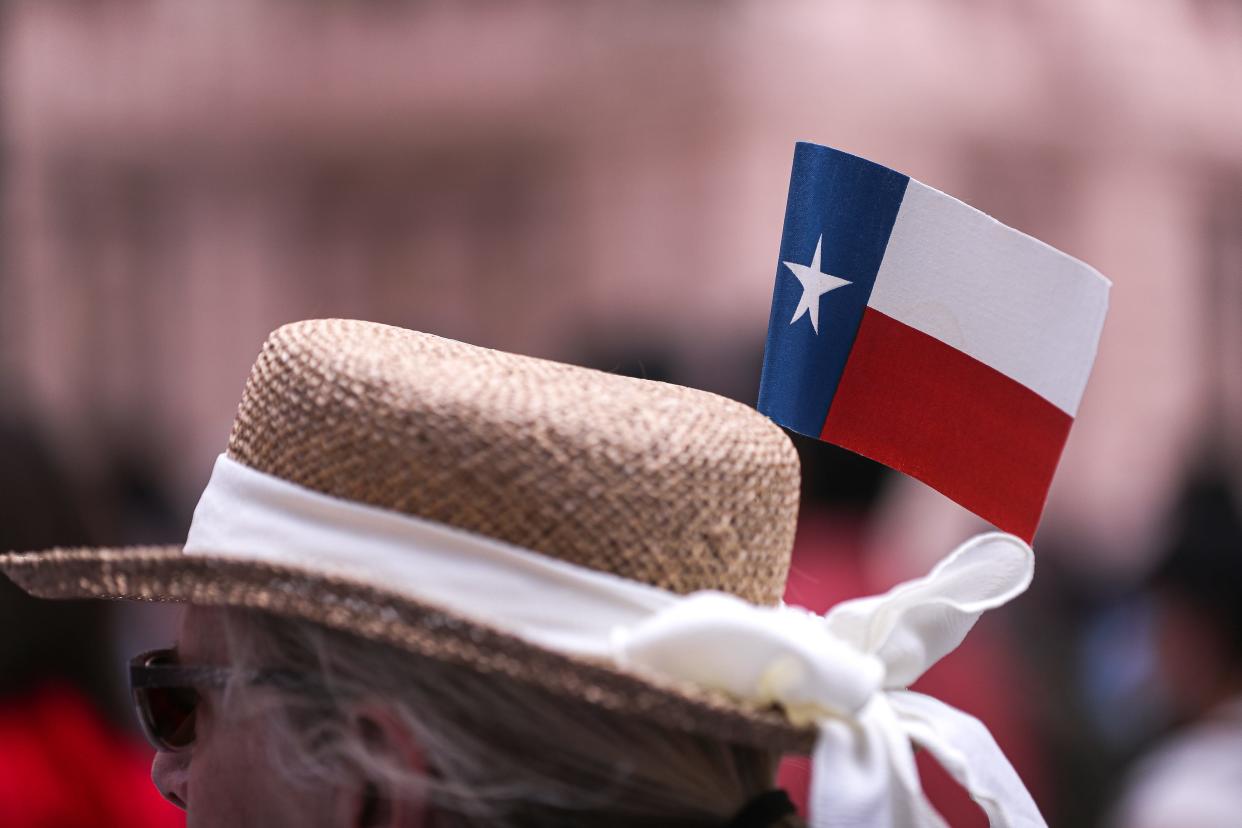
column 202, row 637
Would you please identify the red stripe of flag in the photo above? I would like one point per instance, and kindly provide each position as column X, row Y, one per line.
column 927, row 409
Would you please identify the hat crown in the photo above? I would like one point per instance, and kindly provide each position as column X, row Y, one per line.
column 666, row 485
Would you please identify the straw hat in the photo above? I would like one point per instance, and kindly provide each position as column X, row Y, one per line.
column 651, row 483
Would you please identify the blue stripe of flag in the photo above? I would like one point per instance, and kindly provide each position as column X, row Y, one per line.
column 853, row 203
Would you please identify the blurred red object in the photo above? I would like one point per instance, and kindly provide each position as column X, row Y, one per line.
column 63, row 766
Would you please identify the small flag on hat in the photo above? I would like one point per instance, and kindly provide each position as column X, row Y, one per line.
column 915, row 330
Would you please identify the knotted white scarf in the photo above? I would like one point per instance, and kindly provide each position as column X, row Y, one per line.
column 845, row 672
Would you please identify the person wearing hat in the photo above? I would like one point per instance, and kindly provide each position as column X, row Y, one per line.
column 431, row 584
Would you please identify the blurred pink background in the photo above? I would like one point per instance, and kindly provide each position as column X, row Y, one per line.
column 604, row 183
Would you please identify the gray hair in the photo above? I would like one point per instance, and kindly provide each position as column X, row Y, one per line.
column 499, row 753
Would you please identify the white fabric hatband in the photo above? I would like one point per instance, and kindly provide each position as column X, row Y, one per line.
column 846, row 671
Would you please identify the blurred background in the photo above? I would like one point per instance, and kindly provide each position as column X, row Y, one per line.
column 604, row 183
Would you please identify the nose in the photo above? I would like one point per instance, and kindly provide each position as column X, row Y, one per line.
column 171, row 774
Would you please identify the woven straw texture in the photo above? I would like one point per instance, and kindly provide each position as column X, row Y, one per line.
column 653, row 482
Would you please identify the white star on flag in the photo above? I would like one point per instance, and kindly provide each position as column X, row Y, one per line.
column 815, row 283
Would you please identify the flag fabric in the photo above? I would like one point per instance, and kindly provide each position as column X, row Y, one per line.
column 915, row 330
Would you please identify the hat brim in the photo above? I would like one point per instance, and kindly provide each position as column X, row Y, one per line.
column 166, row 573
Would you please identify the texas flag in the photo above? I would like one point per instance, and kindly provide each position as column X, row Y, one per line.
column 915, row 330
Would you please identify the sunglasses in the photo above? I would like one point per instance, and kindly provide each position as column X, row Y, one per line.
column 167, row 694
